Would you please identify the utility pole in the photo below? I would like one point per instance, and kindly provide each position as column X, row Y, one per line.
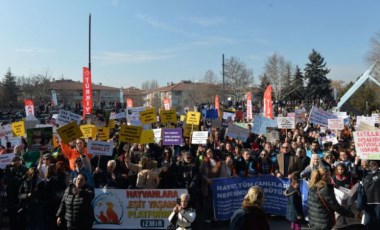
column 224, row 92
column 89, row 43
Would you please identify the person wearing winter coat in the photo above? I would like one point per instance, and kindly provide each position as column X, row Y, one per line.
column 250, row 216
column 294, row 211
column 322, row 202
column 76, row 211
column 183, row 215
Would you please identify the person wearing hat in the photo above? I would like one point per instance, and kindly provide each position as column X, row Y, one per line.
column 14, row 175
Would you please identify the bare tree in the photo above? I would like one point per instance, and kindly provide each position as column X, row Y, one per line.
column 238, row 78
column 373, row 55
column 277, row 71
column 36, row 87
column 210, row 87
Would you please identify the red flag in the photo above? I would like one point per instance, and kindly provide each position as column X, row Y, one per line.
column 268, row 109
column 129, row 103
column 217, row 105
column 87, row 92
column 249, row 106
column 29, row 107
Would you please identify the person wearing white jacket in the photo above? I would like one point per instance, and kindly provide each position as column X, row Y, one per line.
column 182, row 215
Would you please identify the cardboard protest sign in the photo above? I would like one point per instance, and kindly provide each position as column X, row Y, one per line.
column 366, row 127
column 168, row 116
column 320, row 117
column 88, row 130
column 39, row 138
column 193, row 118
column 111, row 124
column 8, row 130
column 69, row 132
column 120, row 115
column 212, row 113
column 375, row 117
column 367, row 144
column 18, row 129
column 148, row 116
column 336, row 123
column 300, row 115
column 182, row 118
column 187, row 129
column 329, row 138
column 286, row 122
column 172, row 136
column 6, row 159
column 100, row 148
column 65, row 117
column 103, row 133
column 113, row 116
column 199, row 137
column 130, row 134
column 147, row 136
column 237, row 132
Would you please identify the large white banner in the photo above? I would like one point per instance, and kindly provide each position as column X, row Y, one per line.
column 134, row 208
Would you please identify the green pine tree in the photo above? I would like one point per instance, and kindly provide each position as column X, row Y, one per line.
column 9, row 90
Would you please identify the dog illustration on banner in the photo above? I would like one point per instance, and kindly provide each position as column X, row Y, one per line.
column 108, row 209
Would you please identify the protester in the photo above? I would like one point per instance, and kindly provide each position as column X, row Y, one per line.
column 80, row 150
column 76, row 211
column 341, row 177
column 294, row 211
column 183, row 215
column 264, row 165
column 315, row 163
column 322, row 202
column 251, row 215
column 287, row 163
column 371, row 185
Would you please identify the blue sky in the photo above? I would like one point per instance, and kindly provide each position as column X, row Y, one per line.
column 173, row 40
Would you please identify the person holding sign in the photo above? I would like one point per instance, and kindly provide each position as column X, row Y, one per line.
column 80, row 150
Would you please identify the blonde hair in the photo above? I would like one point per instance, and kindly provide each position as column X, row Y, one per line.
column 317, row 175
column 254, row 197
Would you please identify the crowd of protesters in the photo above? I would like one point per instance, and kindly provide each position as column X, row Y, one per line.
column 51, row 189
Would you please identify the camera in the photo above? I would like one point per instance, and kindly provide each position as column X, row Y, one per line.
column 178, row 201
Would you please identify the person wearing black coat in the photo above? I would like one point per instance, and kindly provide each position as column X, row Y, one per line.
column 322, row 202
column 76, row 211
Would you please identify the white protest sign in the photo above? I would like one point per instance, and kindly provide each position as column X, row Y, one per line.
column 300, row 115
column 367, row 144
column 320, row 117
column 237, row 132
column 65, row 117
column 375, row 117
column 13, row 140
column 199, row 137
column 8, row 130
column 100, row 148
column 336, row 123
column 112, row 116
column 286, row 122
column 157, row 135
column 363, row 119
column 133, row 115
column 120, row 115
column 6, row 159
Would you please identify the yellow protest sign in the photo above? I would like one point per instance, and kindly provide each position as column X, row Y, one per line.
column 103, row 133
column 148, row 116
column 111, row 124
column 168, row 116
column 182, row 118
column 130, row 134
column 188, row 128
column 18, row 129
column 147, row 136
column 193, row 118
column 88, row 130
column 69, row 132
